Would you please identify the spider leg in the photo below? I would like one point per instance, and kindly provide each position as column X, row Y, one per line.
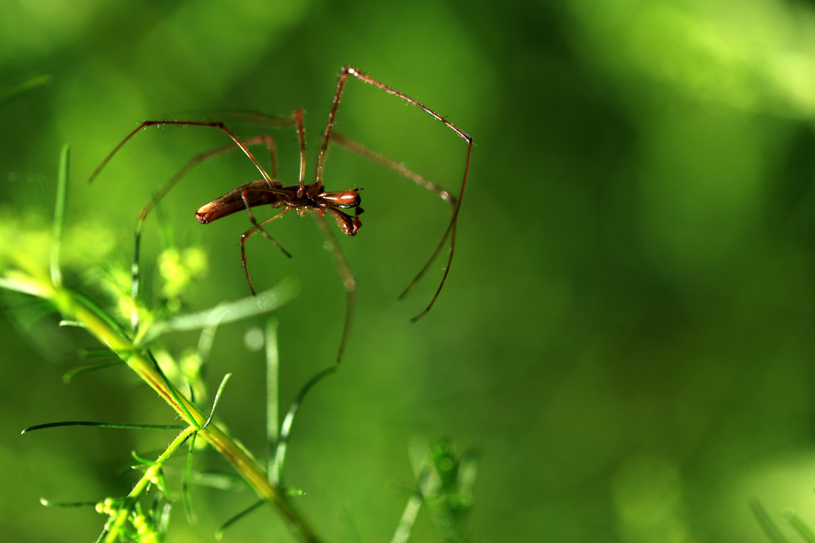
column 348, row 281
column 301, row 135
column 455, row 202
column 256, row 227
column 397, row 167
column 260, row 118
column 259, row 226
column 400, row 168
column 214, row 124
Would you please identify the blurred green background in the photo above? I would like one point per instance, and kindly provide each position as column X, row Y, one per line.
column 626, row 335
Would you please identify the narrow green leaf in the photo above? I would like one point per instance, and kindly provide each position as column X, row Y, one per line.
column 217, row 399
column 192, row 518
column 103, row 315
column 162, row 522
column 232, row 311
column 103, row 353
column 26, row 285
column 76, row 324
column 59, row 214
column 767, row 525
column 350, row 524
column 71, row 375
column 171, row 389
column 207, row 337
column 408, row 519
column 272, row 393
column 23, row 85
column 49, row 503
column 275, row 474
column 123, row 425
column 800, row 527
column 220, row 480
column 220, row 533
column 146, row 462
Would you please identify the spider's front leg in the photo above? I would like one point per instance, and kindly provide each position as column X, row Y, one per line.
column 455, row 203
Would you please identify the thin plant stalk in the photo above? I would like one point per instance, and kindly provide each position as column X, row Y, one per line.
column 74, row 308
column 272, row 397
column 59, row 214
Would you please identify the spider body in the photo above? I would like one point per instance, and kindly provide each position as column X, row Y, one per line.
column 312, row 198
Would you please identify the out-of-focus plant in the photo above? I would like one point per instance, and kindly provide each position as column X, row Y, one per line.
column 771, row 529
column 444, row 482
column 11, row 89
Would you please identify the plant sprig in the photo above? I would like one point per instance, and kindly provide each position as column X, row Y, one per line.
column 444, row 480
column 23, row 275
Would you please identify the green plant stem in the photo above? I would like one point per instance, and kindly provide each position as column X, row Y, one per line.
column 115, row 525
column 74, row 307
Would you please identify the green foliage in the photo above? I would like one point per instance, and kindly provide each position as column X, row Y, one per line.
column 25, row 274
column 129, row 517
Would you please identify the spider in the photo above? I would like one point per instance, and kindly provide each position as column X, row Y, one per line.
column 303, row 198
